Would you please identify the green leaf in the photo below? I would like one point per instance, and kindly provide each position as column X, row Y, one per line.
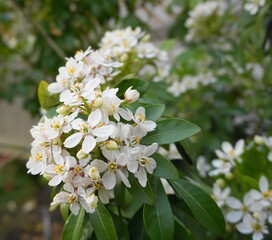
column 64, row 210
column 153, row 112
column 103, row 224
column 165, row 168
column 137, row 84
column 167, row 45
column 51, row 112
column 143, row 194
column 45, row 98
column 158, row 218
column 136, row 227
column 120, row 195
column 121, row 227
column 203, row 207
column 73, row 226
column 170, row 131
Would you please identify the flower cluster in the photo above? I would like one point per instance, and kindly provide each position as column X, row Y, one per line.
column 249, row 211
column 191, row 82
column 203, row 20
column 93, row 141
column 134, row 49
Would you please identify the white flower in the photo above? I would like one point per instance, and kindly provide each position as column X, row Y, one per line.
column 268, row 143
column 140, row 162
column 264, row 195
column 87, row 131
column 253, row 6
column 220, row 195
column 241, row 210
column 230, row 153
column 139, row 118
column 202, row 166
column 69, row 196
column 221, row 167
column 37, row 161
column 252, row 226
column 88, row 199
column 131, row 95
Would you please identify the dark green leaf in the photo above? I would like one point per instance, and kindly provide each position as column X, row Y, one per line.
column 158, row 218
column 102, row 223
column 143, row 194
column 170, row 131
column 203, row 207
column 121, row 227
column 73, row 226
column 165, row 168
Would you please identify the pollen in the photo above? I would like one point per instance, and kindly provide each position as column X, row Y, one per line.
column 257, row 227
column 141, row 118
column 78, row 169
column 38, row 157
column 112, row 166
column 71, row 199
column 267, row 194
column 59, row 168
column 71, row 70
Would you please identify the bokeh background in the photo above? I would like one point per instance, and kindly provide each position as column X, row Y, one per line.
column 36, row 36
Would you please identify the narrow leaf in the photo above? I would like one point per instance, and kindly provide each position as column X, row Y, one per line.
column 102, row 223
column 165, row 168
column 203, row 207
column 143, row 194
column 158, row 218
column 73, row 226
column 170, row 131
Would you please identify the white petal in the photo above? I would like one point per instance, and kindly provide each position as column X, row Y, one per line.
column 244, row 228
column 122, row 159
column 103, row 195
column 150, row 149
column 239, row 147
column 100, row 165
column 234, row 216
column 142, row 176
column 150, row 125
column 256, row 194
column 257, row 236
column 132, row 166
column 55, row 181
column 104, row 131
column 123, row 178
column 226, row 146
column 94, row 118
column 124, row 114
column 73, row 140
column 109, row 180
column 55, row 87
column 233, row 203
column 88, row 144
column 263, row 184
column 74, row 207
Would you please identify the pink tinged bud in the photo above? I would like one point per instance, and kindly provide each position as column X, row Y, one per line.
column 131, row 95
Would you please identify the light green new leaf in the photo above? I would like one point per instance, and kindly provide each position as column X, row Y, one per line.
column 143, row 194
column 165, row 168
column 73, row 226
column 102, row 223
column 137, row 84
column 170, row 131
column 167, row 45
column 45, row 98
column 203, row 207
column 158, row 218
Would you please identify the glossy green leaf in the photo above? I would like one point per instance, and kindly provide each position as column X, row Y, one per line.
column 103, row 224
column 45, row 98
column 165, row 168
column 170, row 131
column 143, row 194
column 137, row 84
column 64, row 210
column 51, row 112
column 154, row 112
column 203, row 207
column 121, row 227
column 73, row 226
column 158, row 218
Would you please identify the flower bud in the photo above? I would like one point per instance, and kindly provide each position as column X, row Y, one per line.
column 146, row 38
column 94, row 173
column 92, row 200
column 220, row 182
column 131, row 95
column 124, row 57
column 97, row 102
column 229, row 176
column 258, row 140
column 111, row 145
column 81, row 155
column 64, row 110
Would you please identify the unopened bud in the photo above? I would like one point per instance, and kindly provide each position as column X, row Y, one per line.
column 131, row 95
column 111, row 145
column 146, row 38
column 229, row 176
column 81, row 155
column 64, row 110
column 256, row 215
column 220, row 182
column 124, row 58
column 258, row 140
column 94, row 173
column 97, row 102
column 92, row 201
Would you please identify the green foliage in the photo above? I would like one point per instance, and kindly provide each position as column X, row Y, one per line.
column 46, row 100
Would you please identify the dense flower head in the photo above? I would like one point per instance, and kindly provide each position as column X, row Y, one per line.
column 93, row 142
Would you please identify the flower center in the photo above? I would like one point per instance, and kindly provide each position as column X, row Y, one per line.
column 59, row 168
column 38, row 157
column 231, row 153
column 267, row 194
column 112, row 166
column 71, row 70
column 257, row 227
column 145, row 162
column 141, row 118
column 72, row 198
